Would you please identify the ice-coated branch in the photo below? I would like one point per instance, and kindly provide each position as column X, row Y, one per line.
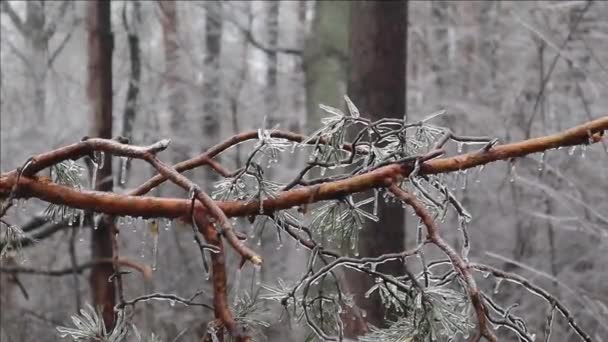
column 115, row 204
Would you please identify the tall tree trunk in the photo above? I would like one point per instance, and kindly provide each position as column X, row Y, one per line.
column 377, row 85
column 212, row 85
column 99, row 91
column 176, row 93
column 440, row 14
column 132, row 26
column 326, row 59
column 272, row 99
column 37, row 48
column 135, row 75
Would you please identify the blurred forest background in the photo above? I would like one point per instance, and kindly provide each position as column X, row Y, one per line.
column 198, row 72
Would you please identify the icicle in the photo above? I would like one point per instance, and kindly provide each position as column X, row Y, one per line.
column 571, row 150
column 512, row 172
column 479, row 171
column 541, row 162
column 143, row 246
column 102, row 159
column 460, row 147
column 464, row 179
column 237, row 285
column 153, row 225
column 257, row 274
column 583, row 151
column 94, row 176
column 323, row 170
column 123, row 170
column 81, row 224
column 497, row 286
column 71, row 219
column 81, row 219
column 96, row 219
column 167, row 224
column 22, row 204
column 375, row 211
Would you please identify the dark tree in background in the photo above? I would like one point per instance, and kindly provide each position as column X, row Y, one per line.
column 212, row 83
column 325, row 59
column 176, row 94
column 99, row 90
column 378, row 83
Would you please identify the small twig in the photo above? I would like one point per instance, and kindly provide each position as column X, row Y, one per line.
column 145, row 270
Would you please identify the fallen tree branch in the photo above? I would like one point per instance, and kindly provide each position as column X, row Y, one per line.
column 127, row 205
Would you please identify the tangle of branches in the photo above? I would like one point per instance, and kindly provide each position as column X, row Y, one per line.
column 386, row 160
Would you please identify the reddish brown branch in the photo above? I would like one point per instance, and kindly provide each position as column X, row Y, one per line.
column 206, row 158
column 115, row 204
column 148, row 154
column 221, row 304
column 212, row 208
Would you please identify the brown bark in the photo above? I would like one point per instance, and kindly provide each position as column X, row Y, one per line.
column 212, row 84
column 134, row 205
column 221, row 305
column 176, row 93
column 99, row 91
column 377, row 85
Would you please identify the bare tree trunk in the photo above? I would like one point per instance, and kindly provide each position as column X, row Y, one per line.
column 377, row 85
column 132, row 29
column 176, row 94
column 37, row 44
column 212, row 86
column 272, row 101
column 132, row 25
column 326, row 59
column 440, row 16
column 99, row 91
